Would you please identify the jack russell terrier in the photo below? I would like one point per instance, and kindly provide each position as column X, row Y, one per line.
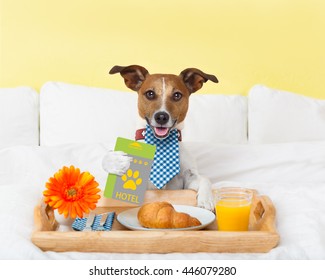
column 162, row 105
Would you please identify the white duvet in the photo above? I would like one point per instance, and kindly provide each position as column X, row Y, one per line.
column 292, row 175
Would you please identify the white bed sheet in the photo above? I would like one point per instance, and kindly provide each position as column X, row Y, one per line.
column 291, row 174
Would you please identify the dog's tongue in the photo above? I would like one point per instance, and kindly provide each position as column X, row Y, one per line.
column 161, row 131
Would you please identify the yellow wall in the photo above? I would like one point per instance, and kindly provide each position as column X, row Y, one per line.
column 280, row 43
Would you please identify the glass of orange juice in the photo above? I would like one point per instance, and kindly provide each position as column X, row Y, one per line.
column 233, row 207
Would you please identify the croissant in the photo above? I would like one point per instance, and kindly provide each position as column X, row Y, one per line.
column 163, row 215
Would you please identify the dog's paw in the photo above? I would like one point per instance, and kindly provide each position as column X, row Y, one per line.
column 205, row 200
column 116, row 162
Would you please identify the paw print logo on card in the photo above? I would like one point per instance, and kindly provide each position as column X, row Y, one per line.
column 131, row 179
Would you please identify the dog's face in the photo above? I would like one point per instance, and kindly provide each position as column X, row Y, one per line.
column 162, row 98
column 163, row 102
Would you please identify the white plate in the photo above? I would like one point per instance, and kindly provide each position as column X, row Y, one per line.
column 129, row 218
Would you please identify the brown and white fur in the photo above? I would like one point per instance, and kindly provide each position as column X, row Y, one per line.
column 163, row 103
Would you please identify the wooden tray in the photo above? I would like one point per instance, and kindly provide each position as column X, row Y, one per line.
column 261, row 238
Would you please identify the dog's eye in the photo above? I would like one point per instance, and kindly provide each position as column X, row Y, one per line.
column 150, row 94
column 177, row 96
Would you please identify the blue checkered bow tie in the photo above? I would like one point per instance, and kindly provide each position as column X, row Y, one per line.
column 166, row 161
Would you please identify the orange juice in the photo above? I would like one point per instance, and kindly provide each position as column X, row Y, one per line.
column 233, row 215
column 233, row 207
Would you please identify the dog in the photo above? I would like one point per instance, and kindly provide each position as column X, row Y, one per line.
column 163, row 101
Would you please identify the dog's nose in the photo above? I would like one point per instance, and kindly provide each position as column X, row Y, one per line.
column 161, row 118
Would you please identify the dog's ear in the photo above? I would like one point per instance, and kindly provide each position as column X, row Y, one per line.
column 133, row 75
column 194, row 78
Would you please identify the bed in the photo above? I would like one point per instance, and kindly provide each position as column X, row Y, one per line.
column 270, row 140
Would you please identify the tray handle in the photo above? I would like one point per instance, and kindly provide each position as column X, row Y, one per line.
column 263, row 214
column 44, row 218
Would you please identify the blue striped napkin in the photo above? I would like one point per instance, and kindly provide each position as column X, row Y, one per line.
column 94, row 222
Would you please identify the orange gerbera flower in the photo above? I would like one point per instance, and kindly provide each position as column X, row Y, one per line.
column 71, row 192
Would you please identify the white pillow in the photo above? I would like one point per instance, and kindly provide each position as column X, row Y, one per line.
column 18, row 117
column 281, row 116
column 79, row 114
column 216, row 118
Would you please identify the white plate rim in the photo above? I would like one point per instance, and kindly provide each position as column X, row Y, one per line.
column 206, row 217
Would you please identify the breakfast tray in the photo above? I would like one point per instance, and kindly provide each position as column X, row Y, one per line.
column 261, row 237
